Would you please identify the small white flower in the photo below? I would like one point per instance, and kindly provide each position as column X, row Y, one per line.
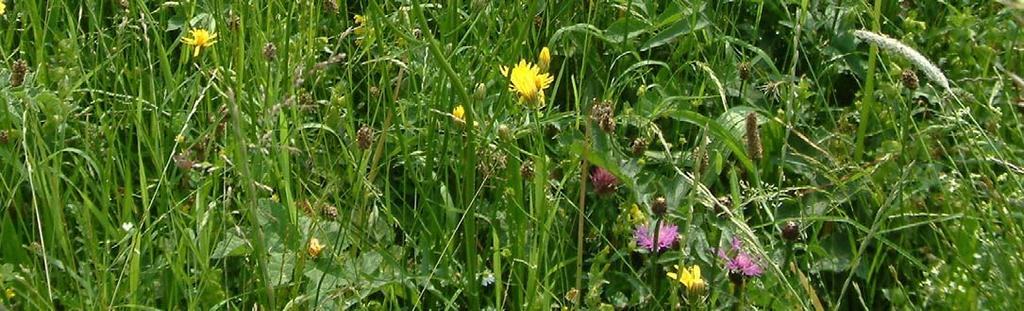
column 127, row 227
column 487, row 279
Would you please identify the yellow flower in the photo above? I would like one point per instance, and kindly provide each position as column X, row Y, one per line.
column 689, row 278
column 459, row 113
column 360, row 22
column 636, row 216
column 526, row 80
column 315, row 247
column 200, row 39
column 544, row 59
column 9, row 293
column 3, row 7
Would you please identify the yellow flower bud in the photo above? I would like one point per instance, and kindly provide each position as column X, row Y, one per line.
column 544, row 59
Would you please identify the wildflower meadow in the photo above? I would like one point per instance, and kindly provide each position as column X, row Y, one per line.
column 511, row 155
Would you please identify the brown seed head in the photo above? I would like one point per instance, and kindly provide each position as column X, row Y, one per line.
column 604, row 115
column 364, row 137
column 18, row 72
column 331, row 6
column 909, row 78
column 744, row 71
column 330, row 211
column 639, row 146
column 269, row 51
column 753, row 137
column 526, row 170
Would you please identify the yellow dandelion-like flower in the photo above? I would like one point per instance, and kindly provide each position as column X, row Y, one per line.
column 315, row 247
column 527, row 80
column 200, row 39
column 459, row 114
column 544, row 59
column 690, row 278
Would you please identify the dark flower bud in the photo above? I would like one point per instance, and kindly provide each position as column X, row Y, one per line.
column 737, row 278
column 659, row 206
column 791, row 232
column 744, row 71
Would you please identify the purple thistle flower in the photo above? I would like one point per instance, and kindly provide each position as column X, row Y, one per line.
column 667, row 236
column 603, row 180
column 742, row 262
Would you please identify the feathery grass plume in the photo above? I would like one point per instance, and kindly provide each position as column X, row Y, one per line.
column 922, row 63
column 753, row 137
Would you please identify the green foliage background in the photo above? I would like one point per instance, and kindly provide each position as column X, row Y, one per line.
column 133, row 175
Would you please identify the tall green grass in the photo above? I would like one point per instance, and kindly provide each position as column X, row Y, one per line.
column 135, row 175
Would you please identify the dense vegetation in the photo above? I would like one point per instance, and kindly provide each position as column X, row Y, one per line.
column 317, row 154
